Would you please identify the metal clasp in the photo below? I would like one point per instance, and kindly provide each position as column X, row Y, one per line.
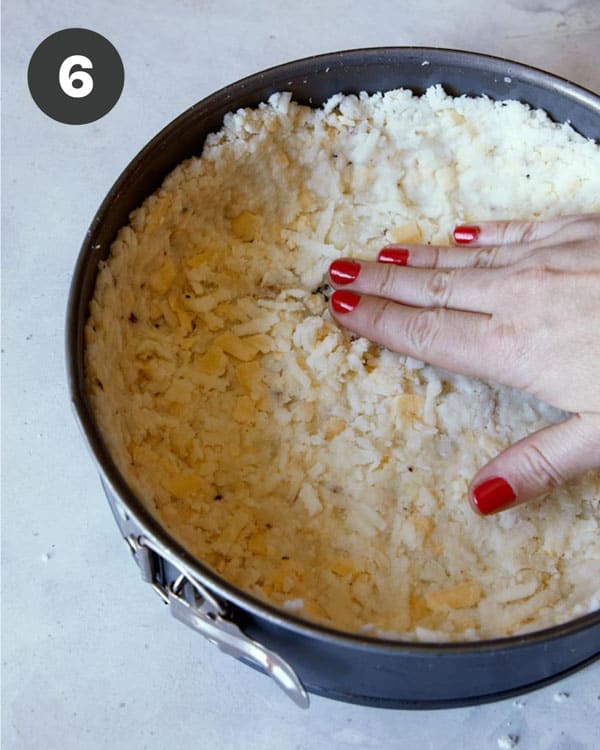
column 149, row 563
column 201, row 615
column 193, row 604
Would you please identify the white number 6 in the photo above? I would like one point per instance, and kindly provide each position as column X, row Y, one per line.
column 66, row 78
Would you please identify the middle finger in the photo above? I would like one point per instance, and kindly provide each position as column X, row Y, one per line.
column 472, row 289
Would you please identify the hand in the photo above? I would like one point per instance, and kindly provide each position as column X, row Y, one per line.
column 519, row 306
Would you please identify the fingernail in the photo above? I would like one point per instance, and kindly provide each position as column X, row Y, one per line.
column 344, row 271
column 344, row 302
column 464, row 234
column 492, row 495
column 396, row 255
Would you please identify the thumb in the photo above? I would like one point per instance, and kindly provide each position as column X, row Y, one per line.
column 537, row 463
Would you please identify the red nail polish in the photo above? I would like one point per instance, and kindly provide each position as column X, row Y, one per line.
column 464, row 234
column 492, row 495
column 396, row 255
column 344, row 271
column 344, row 302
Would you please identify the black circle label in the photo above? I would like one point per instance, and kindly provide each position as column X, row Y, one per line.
column 75, row 76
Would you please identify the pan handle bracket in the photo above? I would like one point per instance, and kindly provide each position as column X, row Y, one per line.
column 193, row 604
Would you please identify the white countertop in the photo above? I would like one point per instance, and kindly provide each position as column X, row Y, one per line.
column 90, row 657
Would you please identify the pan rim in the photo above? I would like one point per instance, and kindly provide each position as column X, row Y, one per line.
column 91, row 434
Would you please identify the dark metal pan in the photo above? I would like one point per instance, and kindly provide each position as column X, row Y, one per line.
column 303, row 657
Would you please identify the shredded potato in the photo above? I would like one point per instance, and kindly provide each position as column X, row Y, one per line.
column 311, row 468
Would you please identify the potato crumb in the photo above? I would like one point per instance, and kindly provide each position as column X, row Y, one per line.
column 310, row 467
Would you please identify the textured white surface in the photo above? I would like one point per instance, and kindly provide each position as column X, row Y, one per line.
column 90, row 658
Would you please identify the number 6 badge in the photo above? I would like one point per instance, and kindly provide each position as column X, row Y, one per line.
column 67, row 78
column 75, row 76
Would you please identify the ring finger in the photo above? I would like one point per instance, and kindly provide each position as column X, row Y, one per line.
column 436, row 256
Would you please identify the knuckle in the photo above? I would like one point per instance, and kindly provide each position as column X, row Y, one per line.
column 519, row 231
column 538, row 259
column 573, row 229
column 380, row 316
column 387, row 284
column 438, row 288
column 486, row 257
column 587, row 428
column 531, row 272
column 506, row 336
column 514, row 351
column 529, row 231
column 537, row 467
column 589, row 226
column 422, row 329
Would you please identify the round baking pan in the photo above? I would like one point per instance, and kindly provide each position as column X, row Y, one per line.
column 301, row 656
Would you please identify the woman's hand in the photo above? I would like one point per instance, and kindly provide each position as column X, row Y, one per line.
column 521, row 306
